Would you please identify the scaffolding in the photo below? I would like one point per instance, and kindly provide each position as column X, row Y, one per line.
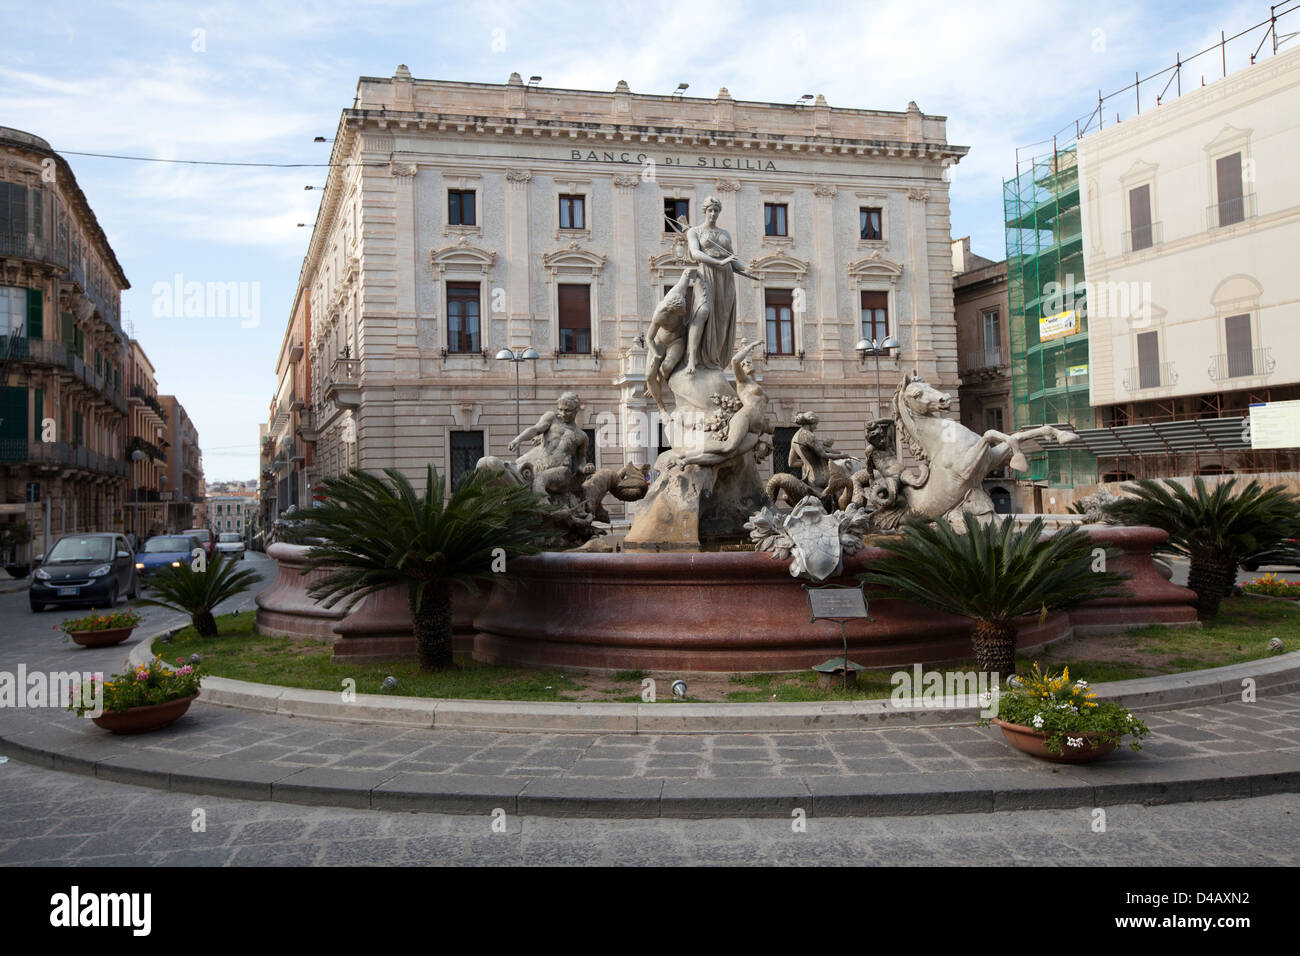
column 1048, row 311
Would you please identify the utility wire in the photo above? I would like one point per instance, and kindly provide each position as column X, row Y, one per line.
column 211, row 162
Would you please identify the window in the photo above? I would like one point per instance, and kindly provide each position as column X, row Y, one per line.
column 591, row 445
column 993, row 419
column 1148, row 359
column 875, row 315
column 13, row 209
column 13, row 310
column 462, row 317
column 1231, row 208
column 676, row 215
column 1240, row 356
column 992, row 337
column 460, row 207
column 466, row 450
column 774, row 223
column 573, row 212
column 779, row 309
column 575, row 318
column 1139, row 218
column 869, row 222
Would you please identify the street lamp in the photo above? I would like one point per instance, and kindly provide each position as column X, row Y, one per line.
column 527, row 355
column 867, row 347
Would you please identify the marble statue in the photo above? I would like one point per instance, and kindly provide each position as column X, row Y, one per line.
column 745, row 418
column 665, row 341
column 712, row 328
column 556, row 468
column 813, row 541
column 822, row 471
column 953, row 460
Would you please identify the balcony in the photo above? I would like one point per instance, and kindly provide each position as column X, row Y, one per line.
column 986, row 358
column 1150, row 376
column 1230, row 212
column 343, row 385
column 139, row 444
column 1144, row 237
column 20, row 349
column 60, row 455
column 1241, row 364
column 306, row 428
column 139, row 394
column 295, row 350
column 26, row 246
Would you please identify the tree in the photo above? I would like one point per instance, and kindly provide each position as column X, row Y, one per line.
column 197, row 593
column 994, row 575
column 1213, row 529
column 378, row 533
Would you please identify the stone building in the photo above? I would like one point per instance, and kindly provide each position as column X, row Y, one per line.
column 63, row 354
column 460, row 219
column 231, row 512
column 146, row 513
column 183, row 476
column 287, row 444
column 979, row 289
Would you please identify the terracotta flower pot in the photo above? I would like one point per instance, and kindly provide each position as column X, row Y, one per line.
column 106, row 638
column 1034, row 743
column 139, row 720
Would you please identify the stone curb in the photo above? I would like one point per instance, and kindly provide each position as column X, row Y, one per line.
column 1276, row 675
column 1122, row 780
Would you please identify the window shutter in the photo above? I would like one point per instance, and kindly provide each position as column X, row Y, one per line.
column 35, row 314
column 38, row 412
column 69, row 330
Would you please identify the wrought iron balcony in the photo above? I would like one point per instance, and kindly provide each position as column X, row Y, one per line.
column 138, row 393
column 1230, row 211
column 24, row 245
column 1143, row 237
column 1242, row 363
column 1150, row 376
column 989, row 358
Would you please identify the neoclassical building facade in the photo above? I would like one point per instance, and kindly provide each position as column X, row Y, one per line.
column 460, row 219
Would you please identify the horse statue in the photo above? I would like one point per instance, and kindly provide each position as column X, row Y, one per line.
column 953, row 459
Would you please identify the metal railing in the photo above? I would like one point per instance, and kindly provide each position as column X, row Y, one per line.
column 24, row 245
column 138, row 391
column 1241, row 363
column 983, row 358
column 1150, row 376
column 1143, row 237
column 20, row 450
column 1230, row 211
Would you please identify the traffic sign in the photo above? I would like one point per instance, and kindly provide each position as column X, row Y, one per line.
column 33, row 491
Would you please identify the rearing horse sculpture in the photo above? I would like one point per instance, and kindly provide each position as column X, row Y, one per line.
column 957, row 459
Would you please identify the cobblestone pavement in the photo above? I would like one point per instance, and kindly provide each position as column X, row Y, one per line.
column 53, row 818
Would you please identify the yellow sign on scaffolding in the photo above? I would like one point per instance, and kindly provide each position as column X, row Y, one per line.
column 1057, row 326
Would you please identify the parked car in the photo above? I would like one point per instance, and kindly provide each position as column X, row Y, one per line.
column 1286, row 555
column 205, row 539
column 84, row 569
column 231, row 542
column 164, row 551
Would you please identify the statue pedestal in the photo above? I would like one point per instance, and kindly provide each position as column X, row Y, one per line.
column 694, row 505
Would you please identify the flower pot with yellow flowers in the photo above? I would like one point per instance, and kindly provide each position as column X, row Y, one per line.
column 1053, row 718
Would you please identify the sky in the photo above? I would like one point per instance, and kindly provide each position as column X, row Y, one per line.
column 255, row 82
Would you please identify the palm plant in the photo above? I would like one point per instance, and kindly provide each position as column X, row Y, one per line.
column 1213, row 529
column 379, row 533
column 994, row 575
column 197, row 593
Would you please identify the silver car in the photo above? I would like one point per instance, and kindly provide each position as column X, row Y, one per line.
column 231, row 543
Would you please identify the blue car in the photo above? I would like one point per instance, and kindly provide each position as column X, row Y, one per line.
column 164, row 551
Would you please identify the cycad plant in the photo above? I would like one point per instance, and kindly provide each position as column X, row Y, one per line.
column 378, row 533
column 197, row 593
column 994, row 575
column 1213, row 529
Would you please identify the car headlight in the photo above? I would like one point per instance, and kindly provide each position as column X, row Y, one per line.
column 100, row 571
column 139, row 566
column 176, row 564
column 42, row 574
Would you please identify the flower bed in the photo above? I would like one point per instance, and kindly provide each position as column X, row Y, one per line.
column 100, row 622
column 1273, row 586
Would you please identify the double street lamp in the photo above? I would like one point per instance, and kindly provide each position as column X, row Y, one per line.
column 527, row 355
column 867, row 347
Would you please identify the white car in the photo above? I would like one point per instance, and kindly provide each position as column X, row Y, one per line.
column 231, row 542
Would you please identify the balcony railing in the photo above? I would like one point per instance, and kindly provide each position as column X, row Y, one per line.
column 345, row 371
column 983, row 358
column 342, row 385
column 138, row 392
column 1143, row 237
column 22, row 451
column 1150, row 376
column 1242, row 363
column 1230, row 211
column 140, row 444
column 23, row 245
column 306, row 429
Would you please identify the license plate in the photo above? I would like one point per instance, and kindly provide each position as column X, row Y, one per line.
column 68, row 592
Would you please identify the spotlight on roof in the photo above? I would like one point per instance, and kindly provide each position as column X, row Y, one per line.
column 534, row 80
column 681, row 88
column 320, row 139
column 805, row 99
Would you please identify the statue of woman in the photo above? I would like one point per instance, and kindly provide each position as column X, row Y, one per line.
column 712, row 331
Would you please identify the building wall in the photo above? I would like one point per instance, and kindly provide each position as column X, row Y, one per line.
column 386, row 390
column 1196, row 273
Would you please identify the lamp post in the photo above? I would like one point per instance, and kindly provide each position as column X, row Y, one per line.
column 867, row 347
column 527, row 355
column 136, row 457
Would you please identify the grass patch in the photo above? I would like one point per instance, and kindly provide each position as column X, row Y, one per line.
column 1240, row 633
